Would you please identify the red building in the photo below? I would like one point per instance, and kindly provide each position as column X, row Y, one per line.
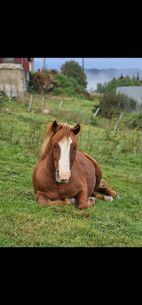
column 14, row 74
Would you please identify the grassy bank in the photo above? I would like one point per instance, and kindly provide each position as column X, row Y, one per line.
column 107, row 224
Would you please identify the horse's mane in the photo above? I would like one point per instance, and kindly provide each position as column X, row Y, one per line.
column 63, row 130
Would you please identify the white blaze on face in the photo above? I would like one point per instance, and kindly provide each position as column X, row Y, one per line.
column 64, row 162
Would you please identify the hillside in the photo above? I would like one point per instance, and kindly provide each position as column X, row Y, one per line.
column 107, row 224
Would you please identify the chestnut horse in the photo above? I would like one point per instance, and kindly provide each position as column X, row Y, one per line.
column 64, row 175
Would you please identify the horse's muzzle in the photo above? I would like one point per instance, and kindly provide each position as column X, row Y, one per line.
column 62, row 178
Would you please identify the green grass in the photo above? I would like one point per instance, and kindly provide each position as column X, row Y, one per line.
column 107, row 224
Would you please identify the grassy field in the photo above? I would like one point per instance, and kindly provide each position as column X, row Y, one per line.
column 107, row 224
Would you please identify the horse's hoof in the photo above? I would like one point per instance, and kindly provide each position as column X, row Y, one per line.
column 92, row 199
column 108, row 198
column 73, row 201
column 117, row 196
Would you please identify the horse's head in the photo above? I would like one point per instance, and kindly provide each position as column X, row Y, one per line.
column 63, row 144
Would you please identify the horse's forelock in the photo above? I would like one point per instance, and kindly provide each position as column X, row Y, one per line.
column 63, row 130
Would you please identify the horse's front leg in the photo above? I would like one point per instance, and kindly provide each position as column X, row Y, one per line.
column 44, row 200
column 83, row 201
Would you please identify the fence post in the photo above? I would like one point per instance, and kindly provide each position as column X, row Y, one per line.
column 30, row 103
column 59, row 106
column 11, row 91
column 118, row 121
column 96, row 112
column 94, row 115
column 17, row 94
column 23, row 98
column 42, row 104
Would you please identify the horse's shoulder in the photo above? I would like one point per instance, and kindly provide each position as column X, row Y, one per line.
column 98, row 171
column 88, row 158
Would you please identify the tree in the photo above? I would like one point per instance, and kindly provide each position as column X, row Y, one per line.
column 121, row 76
column 138, row 77
column 74, row 70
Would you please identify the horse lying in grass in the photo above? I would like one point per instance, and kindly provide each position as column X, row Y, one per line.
column 63, row 174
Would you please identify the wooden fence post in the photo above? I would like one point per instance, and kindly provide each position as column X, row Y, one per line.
column 96, row 112
column 94, row 115
column 59, row 106
column 42, row 104
column 4, row 91
column 118, row 121
column 23, row 98
column 30, row 103
column 11, row 91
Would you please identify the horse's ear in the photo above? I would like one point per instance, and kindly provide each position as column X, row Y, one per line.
column 76, row 129
column 54, row 125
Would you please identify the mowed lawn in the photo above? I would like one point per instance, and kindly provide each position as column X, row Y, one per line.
column 107, row 224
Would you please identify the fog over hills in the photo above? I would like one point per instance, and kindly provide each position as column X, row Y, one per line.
column 95, row 76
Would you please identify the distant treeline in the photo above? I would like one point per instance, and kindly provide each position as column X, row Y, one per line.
column 111, row 86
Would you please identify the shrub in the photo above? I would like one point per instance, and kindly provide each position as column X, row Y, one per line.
column 42, row 82
column 65, row 85
column 112, row 104
column 64, row 81
column 69, row 86
column 135, row 122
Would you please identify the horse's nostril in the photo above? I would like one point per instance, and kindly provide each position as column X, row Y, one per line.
column 58, row 173
column 64, row 180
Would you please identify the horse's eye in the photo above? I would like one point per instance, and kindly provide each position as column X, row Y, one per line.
column 55, row 146
column 74, row 147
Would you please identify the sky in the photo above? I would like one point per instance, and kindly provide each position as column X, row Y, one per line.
column 90, row 63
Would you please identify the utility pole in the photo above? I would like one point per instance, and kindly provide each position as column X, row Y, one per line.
column 40, row 66
column 83, row 64
column 44, row 64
